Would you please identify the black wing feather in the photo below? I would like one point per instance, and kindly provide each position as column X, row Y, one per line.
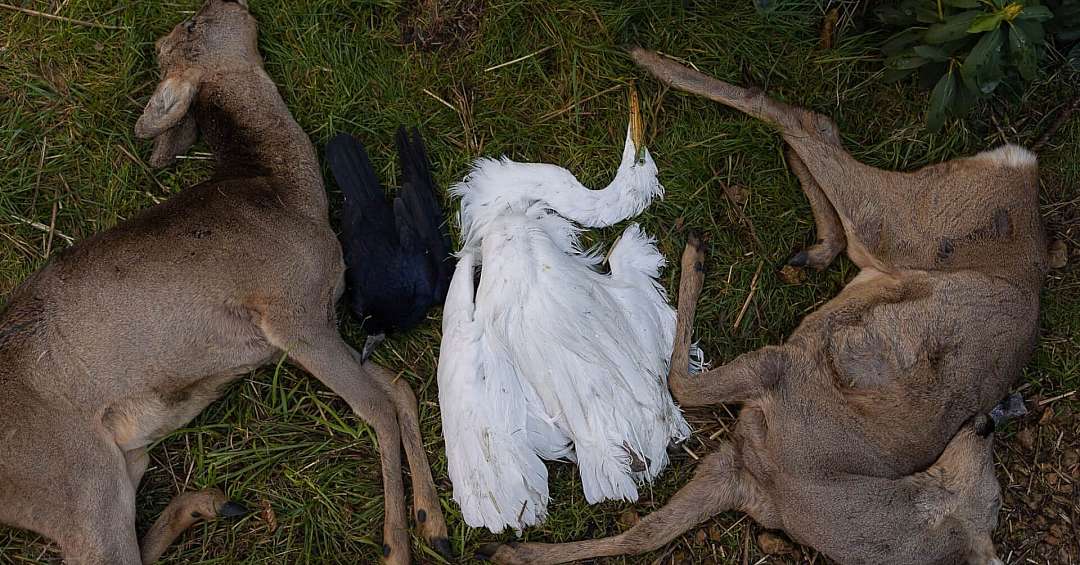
column 396, row 256
column 425, row 219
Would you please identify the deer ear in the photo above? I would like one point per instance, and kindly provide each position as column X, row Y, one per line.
column 174, row 141
column 169, row 103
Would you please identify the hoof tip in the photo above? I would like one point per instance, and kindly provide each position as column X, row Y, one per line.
column 233, row 510
column 487, row 551
column 442, row 545
column 800, row 259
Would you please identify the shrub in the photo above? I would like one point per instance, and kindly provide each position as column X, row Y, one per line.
column 966, row 48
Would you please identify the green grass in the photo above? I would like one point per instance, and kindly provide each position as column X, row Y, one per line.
column 70, row 95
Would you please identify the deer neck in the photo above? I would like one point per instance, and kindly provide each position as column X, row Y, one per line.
column 245, row 122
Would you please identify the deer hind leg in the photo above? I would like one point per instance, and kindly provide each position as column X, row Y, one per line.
column 718, row 485
column 426, row 507
column 82, row 498
column 746, row 377
column 136, row 460
column 830, row 232
column 66, row 484
column 184, row 511
column 855, row 190
column 319, row 349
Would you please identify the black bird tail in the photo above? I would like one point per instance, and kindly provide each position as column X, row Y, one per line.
column 368, row 232
column 364, row 198
column 418, row 211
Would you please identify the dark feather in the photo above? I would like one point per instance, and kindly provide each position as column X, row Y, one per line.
column 397, row 257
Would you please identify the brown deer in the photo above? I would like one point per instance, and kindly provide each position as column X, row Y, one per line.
column 865, row 435
column 129, row 334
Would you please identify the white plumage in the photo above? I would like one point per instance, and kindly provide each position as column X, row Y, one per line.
column 548, row 358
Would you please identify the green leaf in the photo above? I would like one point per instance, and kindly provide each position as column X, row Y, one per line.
column 1037, row 13
column 909, row 6
column 982, row 69
column 1023, row 54
column 941, row 98
column 896, row 75
column 930, row 73
column 1066, row 20
column 985, row 22
column 907, row 60
column 962, row 45
column 894, row 17
column 900, row 41
column 931, row 53
column 964, row 100
column 954, row 27
column 1033, row 30
column 962, row 3
column 927, row 12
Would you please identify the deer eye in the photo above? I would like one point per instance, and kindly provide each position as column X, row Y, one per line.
column 190, row 25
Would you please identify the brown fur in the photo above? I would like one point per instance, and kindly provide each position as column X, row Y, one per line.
column 128, row 335
column 864, row 435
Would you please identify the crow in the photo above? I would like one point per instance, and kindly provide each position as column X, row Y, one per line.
column 397, row 256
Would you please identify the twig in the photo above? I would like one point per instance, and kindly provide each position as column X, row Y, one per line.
column 731, row 197
column 20, row 245
column 749, row 297
column 690, row 453
column 661, row 559
column 52, row 230
column 518, row 60
column 146, row 169
column 43, row 227
column 436, row 97
column 55, row 17
column 40, row 168
column 1056, row 398
column 1059, row 121
column 571, row 106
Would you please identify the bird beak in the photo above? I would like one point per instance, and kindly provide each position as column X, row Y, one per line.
column 637, row 129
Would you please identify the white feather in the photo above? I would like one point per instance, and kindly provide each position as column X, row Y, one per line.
column 553, row 359
column 498, row 478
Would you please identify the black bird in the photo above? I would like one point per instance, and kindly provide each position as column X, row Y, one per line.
column 397, row 257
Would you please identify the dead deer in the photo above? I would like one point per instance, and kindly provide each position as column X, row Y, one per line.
column 865, row 435
column 129, row 334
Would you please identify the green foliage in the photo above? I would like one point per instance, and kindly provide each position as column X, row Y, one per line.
column 965, row 49
column 1065, row 28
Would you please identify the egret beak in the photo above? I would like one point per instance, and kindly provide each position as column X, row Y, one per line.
column 637, row 129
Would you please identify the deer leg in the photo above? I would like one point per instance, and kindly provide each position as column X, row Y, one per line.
column 853, row 189
column 718, row 485
column 746, row 377
column 742, row 379
column 137, row 460
column 321, row 351
column 829, row 230
column 68, row 485
column 426, row 507
column 690, row 282
column 184, row 511
column 93, row 515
